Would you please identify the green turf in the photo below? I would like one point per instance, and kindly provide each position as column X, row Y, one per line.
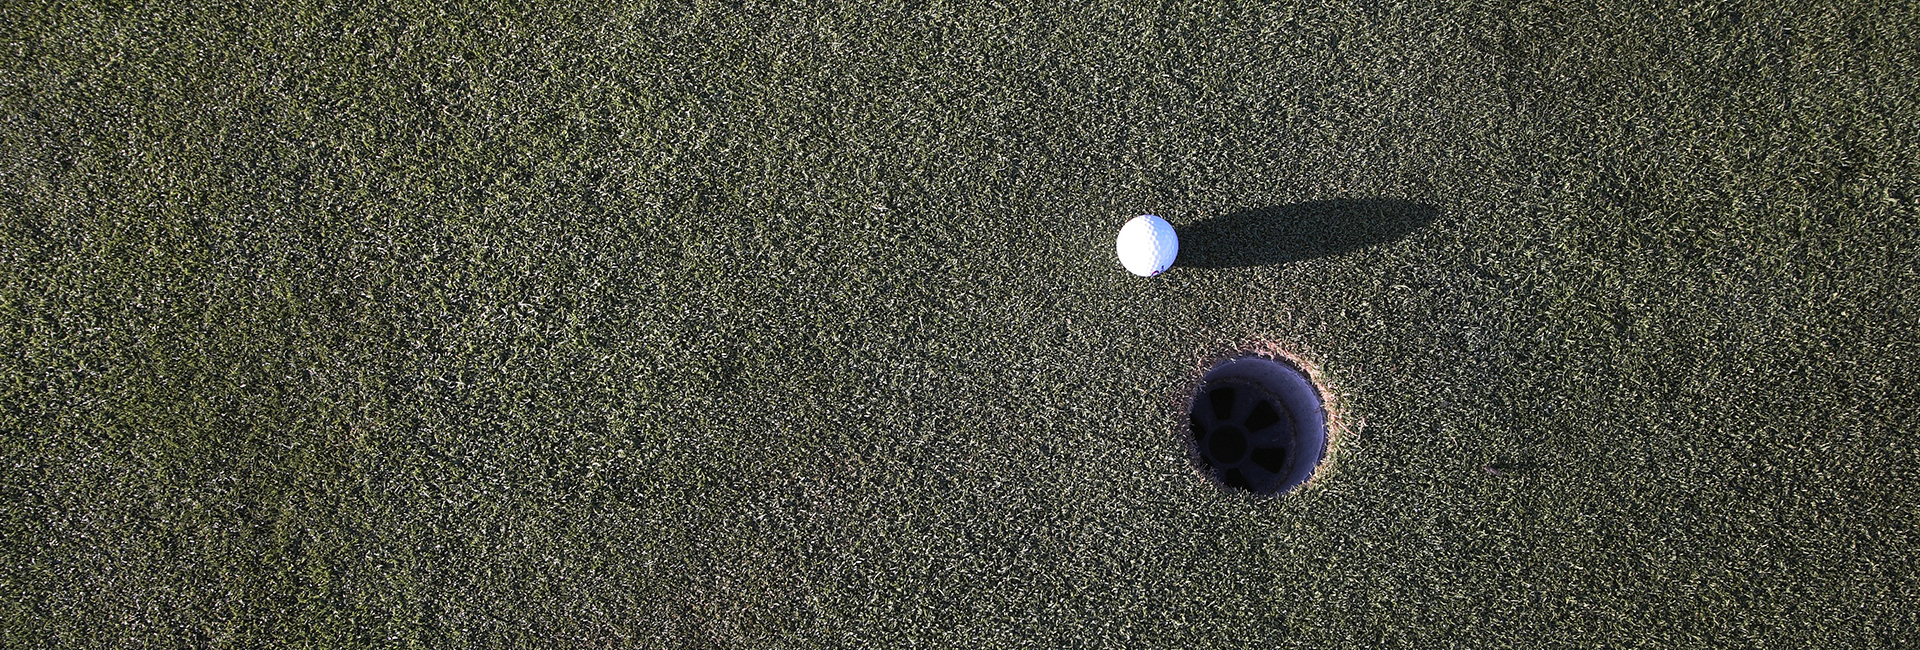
column 799, row 326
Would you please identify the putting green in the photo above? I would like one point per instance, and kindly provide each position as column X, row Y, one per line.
column 732, row 325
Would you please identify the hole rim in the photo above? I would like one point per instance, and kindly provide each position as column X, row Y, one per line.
column 1293, row 396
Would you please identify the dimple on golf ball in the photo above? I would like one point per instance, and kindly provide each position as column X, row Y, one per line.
column 1147, row 245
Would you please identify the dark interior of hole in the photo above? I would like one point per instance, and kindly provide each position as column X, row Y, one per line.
column 1231, row 438
column 1222, row 401
column 1233, row 478
column 1228, row 445
column 1272, row 459
column 1263, row 416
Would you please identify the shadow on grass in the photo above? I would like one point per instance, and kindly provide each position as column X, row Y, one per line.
column 1510, row 468
column 1299, row 231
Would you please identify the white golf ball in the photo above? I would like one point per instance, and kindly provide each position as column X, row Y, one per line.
column 1147, row 245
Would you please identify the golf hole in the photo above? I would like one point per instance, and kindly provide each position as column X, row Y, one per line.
column 1258, row 425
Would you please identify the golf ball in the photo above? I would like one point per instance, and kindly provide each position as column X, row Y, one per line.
column 1147, row 245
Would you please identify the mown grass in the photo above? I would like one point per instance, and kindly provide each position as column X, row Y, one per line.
column 712, row 324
